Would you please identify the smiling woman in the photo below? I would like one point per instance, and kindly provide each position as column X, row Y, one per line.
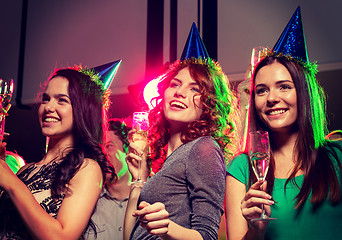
column 276, row 97
column 187, row 107
column 190, row 136
column 302, row 188
column 55, row 197
column 55, row 110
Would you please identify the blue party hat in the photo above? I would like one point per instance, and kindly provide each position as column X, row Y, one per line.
column 194, row 47
column 107, row 72
column 292, row 40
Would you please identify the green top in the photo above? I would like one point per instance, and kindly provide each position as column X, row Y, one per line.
column 324, row 223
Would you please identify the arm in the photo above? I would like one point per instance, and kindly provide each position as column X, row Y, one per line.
column 133, row 160
column 241, row 207
column 129, row 219
column 75, row 210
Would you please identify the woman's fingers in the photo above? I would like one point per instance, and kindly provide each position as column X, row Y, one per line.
column 146, row 208
column 251, row 204
column 257, row 201
column 154, row 218
column 158, row 227
column 135, row 149
column 257, row 184
column 252, row 212
column 134, row 159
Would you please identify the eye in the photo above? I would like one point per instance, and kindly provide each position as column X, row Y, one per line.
column 63, row 100
column 260, row 91
column 45, row 98
column 195, row 89
column 174, row 84
column 246, row 90
column 285, row 87
column 109, row 146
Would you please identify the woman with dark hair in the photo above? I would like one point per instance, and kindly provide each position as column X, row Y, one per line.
column 189, row 137
column 303, row 184
column 55, row 197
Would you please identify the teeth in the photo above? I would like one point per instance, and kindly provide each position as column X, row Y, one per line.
column 178, row 104
column 50, row 120
column 276, row 112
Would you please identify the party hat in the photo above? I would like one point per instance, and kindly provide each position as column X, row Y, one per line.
column 194, row 47
column 107, row 72
column 292, row 40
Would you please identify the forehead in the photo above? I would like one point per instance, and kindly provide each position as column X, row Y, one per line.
column 272, row 73
column 185, row 76
column 58, row 84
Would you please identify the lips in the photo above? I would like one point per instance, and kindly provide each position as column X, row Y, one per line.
column 178, row 104
column 275, row 111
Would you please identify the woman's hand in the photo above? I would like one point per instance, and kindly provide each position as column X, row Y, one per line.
column 154, row 218
column 136, row 159
column 251, row 205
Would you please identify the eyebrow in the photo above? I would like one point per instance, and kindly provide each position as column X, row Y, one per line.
column 277, row 82
column 191, row 84
column 57, row 95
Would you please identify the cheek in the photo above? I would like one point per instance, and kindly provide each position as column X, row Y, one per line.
column 258, row 103
column 40, row 111
column 198, row 105
column 68, row 112
column 168, row 93
column 197, row 102
column 292, row 99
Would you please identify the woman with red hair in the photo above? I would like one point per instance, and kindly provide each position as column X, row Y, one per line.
column 189, row 137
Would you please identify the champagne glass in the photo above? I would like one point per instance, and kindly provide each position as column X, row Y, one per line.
column 257, row 54
column 6, row 91
column 139, row 137
column 259, row 156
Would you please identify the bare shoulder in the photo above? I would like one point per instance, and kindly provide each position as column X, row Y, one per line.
column 91, row 163
column 90, row 166
column 89, row 174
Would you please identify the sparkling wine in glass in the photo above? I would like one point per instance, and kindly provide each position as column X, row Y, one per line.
column 257, row 54
column 259, row 156
column 6, row 91
column 139, row 137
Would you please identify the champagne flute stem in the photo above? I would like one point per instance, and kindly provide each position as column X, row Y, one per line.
column 139, row 170
column 263, row 212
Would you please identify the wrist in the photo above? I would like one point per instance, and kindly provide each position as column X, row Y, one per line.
column 255, row 232
column 136, row 184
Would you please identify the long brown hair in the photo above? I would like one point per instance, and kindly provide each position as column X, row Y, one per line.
column 319, row 171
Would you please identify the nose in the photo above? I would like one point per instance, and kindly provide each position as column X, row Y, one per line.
column 49, row 106
column 181, row 92
column 273, row 97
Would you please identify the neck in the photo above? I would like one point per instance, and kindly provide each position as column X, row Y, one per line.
column 57, row 148
column 284, row 154
column 284, row 142
column 120, row 189
column 174, row 142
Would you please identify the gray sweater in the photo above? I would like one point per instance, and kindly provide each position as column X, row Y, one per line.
column 191, row 185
